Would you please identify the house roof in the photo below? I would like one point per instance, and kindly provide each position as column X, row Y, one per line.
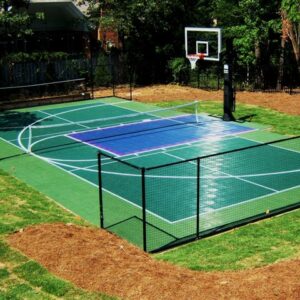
column 59, row 15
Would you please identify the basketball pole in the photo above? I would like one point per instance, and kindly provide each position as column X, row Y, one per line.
column 229, row 95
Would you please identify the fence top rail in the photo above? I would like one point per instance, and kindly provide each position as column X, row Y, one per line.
column 194, row 158
column 221, row 153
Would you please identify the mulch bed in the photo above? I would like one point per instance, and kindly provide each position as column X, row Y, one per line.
column 96, row 260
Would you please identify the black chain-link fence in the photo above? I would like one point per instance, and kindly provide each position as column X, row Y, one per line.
column 161, row 206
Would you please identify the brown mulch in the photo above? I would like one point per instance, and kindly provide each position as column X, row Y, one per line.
column 280, row 101
column 96, row 260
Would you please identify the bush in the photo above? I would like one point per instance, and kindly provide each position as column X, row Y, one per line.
column 180, row 70
column 103, row 75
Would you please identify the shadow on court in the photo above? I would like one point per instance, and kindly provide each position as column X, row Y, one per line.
column 10, row 120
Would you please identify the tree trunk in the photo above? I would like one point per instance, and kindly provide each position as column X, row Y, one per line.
column 281, row 64
column 292, row 31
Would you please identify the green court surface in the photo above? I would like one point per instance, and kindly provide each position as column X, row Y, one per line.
column 35, row 147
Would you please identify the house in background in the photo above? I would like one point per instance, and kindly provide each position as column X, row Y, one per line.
column 58, row 50
column 61, row 35
column 108, row 36
column 63, row 28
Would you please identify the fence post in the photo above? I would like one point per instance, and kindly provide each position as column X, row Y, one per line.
column 100, row 191
column 92, row 76
column 113, row 77
column 144, row 209
column 198, row 199
column 130, row 82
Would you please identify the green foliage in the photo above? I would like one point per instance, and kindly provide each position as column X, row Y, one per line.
column 17, row 57
column 15, row 20
column 151, row 31
column 102, row 72
column 180, row 70
column 3, row 274
column 292, row 8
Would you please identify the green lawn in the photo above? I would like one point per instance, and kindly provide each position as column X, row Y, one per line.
column 253, row 245
column 21, row 278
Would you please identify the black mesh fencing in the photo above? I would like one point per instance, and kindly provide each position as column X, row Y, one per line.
column 267, row 78
column 111, row 76
column 163, row 206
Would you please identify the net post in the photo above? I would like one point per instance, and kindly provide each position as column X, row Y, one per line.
column 198, row 200
column 144, row 209
column 113, row 78
column 100, row 190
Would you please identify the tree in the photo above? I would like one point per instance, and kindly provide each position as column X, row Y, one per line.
column 14, row 22
column 290, row 14
column 254, row 26
column 151, row 32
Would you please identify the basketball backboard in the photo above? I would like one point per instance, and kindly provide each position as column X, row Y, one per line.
column 202, row 43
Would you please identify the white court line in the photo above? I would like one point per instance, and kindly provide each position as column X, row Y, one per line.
column 230, row 175
column 91, row 183
column 237, row 204
column 63, row 119
column 273, row 145
column 19, row 139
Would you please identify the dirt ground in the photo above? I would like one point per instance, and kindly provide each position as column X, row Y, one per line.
column 96, row 260
column 283, row 102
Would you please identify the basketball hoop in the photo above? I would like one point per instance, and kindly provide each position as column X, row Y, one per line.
column 194, row 57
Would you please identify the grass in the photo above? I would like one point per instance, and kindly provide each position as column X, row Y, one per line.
column 20, row 277
column 250, row 246
column 254, row 245
column 278, row 122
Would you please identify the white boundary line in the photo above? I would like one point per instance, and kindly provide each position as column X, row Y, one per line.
column 230, row 175
column 63, row 119
column 272, row 145
column 240, row 203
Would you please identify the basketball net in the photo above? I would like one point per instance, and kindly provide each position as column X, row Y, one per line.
column 194, row 57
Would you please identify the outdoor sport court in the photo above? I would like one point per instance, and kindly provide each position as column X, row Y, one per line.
column 164, row 142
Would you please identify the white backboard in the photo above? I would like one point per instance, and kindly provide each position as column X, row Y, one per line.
column 204, row 42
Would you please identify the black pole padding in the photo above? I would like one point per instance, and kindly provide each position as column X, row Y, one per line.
column 229, row 94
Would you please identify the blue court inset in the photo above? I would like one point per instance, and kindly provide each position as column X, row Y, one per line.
column 148, row 135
